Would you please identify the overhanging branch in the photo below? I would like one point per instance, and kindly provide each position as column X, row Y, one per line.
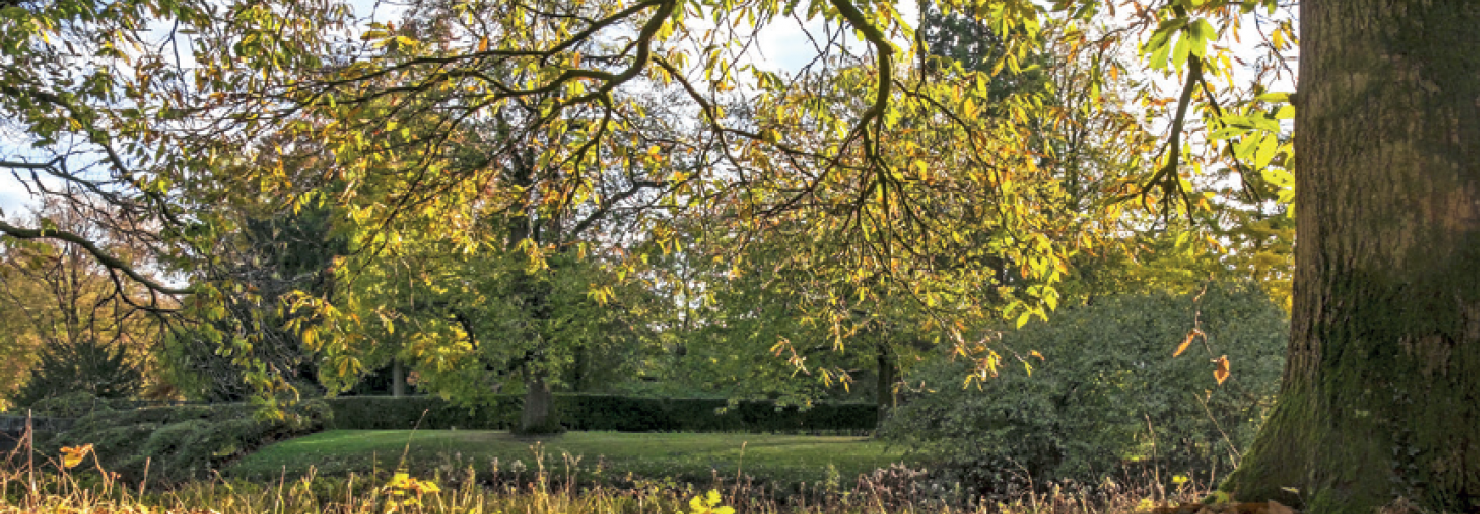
column 108, row 260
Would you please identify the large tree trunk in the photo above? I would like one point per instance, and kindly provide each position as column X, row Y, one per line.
column 1381, row 394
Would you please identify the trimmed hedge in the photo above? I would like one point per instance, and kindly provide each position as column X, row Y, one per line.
column 426, row 412
column 602, row 412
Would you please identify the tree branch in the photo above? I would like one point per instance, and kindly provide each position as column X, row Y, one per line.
column 103, row 257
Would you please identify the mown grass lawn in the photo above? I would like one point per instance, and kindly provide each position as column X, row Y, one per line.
column 604, row 456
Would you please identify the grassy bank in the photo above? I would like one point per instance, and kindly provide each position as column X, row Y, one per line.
column 591, row 456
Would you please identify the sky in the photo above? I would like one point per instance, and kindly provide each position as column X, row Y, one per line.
column 13, row 196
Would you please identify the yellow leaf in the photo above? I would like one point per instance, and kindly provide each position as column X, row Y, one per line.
column 1188, row 341
column 1221, row 373
column 72, row 455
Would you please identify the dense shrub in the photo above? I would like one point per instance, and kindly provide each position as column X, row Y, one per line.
column 604, row 412
column 185, row 442
column 83, row 366
column 1108, row 393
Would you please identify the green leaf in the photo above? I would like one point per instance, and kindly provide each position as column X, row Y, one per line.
column 1274, row 98
column 1201, row 32
column 1266, row 151
column 1179, row 53
column 1244, row 149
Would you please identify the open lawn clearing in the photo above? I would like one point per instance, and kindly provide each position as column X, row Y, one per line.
column 785, row 459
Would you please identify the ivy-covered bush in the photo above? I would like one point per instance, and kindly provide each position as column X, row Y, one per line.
column 180, row 443
column 1108, row 397
column 604, row 412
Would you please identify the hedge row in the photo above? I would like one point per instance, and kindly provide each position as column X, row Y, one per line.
column 603, row 412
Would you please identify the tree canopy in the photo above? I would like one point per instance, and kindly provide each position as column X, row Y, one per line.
column 492, row 158
column 961, row 169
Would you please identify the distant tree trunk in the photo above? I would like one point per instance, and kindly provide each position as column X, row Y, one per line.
column 1381, row 393
column 538, row 415
column 578, row 370
column 398, row 378
column 886, row 363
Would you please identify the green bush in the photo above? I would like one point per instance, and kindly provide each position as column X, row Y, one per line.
column 85, row 366
column 1108, row 394
column 187, row 442
column 603, row 412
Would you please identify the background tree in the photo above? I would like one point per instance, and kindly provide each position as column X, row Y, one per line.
column 273, row 255
column 84, row 329
column 83, row 366
column 855, row 170
column 17, row 341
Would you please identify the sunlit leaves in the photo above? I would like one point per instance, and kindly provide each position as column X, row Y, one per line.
column 955, row 186
column 1192, row 36
column 1258, row 139
column 72, row 455
column 709, row 503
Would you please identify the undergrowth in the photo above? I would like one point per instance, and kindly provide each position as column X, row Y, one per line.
column 74, row 482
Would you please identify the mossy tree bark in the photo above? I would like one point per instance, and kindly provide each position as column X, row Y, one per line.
column 1381, row 393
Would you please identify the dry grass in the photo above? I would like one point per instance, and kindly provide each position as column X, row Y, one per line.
column 46, row 486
